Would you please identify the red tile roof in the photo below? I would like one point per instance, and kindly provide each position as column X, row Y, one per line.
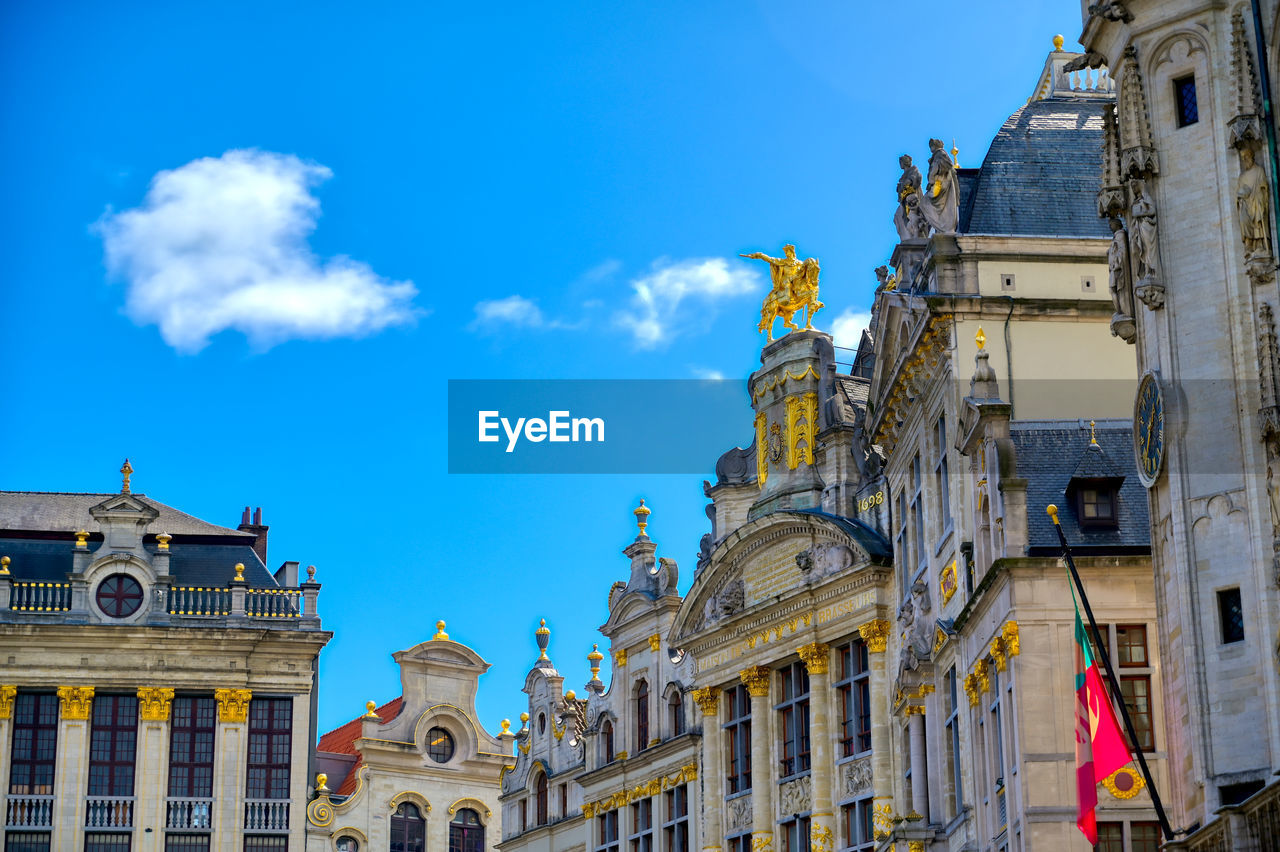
column 342, row 740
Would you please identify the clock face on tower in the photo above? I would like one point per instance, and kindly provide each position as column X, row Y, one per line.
column 1148, row 430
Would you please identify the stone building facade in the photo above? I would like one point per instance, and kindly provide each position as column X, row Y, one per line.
column 159, row 682
column 420, row 772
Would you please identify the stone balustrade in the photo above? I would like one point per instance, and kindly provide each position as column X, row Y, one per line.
column 266, row 815
column 40, row 597
column 108, row 812
column 29, row 812
column 188, row 814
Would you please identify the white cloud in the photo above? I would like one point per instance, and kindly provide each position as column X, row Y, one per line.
column 221, row 243
column 847, row 328
column 656, row 315
column 708, row 374
column 512, row 311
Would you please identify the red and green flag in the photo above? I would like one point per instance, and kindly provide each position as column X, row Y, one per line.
column 1100, row 747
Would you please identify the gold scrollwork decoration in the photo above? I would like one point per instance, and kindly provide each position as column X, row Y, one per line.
column 997, row 654
column 233, row 704
column 708, row 700
column 761, row 842
column 948, row 583
column 1012, row 644
column 653, row 787
column 655, row 642
column 470, row 802
column 876, row 634
column 972, row 689
column 882, row 819
column 154, row 703
column 802, row 427
column 77, row 701
column 762, row 449
column 756, row 679
column 816, row 657
column 7, row 695
column 821, row 839
column 1124, row 783
column 320, row 812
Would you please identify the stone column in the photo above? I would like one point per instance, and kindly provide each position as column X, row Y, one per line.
column 151, row 767
column 919, row 772
column 71, row 775
column 876, row 634
column 712, row 775
column 758, row 679
column 822, row 736
column 231, row 750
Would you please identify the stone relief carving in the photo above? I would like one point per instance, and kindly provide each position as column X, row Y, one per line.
column 1111, row 10
column 1144, row 245
column 941, row 205
column 908, row 218
column 1121, row 283
column 794, row 796
column 917, row 630
column 855, row 777
column 728, row 601
column 804, row 561
column 739, row 812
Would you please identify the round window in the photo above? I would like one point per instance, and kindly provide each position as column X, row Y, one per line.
column 119, row 596
column 439, row 745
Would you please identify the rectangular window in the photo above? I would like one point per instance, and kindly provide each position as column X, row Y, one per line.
column 1144, row 836
column 859, row 830
column 270, row 748
column 1131, row 645
column 191, row 750
column 642, row 826
column 27, row 841
column 112, row 744
column 740, row 843
column 35, row 741
column 917, row 516
column 738, row 739
column 955, row 800
column 266, row 844
column 675, row 824
column 854, row 690
column 100, row 842
column 900, row 540
column 1097, row 506
column 186, row 843
column 793, row 719
column 1184, row 99
column 1137, row 698
column 607, row 832
column 524, row 814
column 940, row 472
column 1231, row 616
column 795, row 835
column 564, row 800
column 1110, row 837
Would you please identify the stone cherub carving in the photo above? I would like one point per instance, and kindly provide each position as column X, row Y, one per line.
column 908, row 219
column 1144, row 245
column 1122, row 324
column 941, row 205
column 795, row 288
column 1252, row 205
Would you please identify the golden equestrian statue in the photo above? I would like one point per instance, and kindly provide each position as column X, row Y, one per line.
column 795, row 288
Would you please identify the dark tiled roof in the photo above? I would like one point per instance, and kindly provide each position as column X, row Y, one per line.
column 876, row 545
column 342, row 740
column 1048, row 458
column 205, row 565
column 52, row 511
column 1041, row 174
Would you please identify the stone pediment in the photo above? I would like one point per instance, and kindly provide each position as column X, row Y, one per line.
column 770, row 559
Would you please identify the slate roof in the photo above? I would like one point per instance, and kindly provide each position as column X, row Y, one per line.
column 54, row 511
column 1041, row 174
column 342, row 740
column 204, row 565
column 1048, row 458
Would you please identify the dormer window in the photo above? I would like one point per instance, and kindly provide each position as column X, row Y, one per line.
column 1096, row 504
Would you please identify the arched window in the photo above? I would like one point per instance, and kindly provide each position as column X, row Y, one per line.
column 642, row 715
column 606, row 742
column 466, row 834
column 675, row 712
column 407, row 829
column 348, row 844
column 540, row 798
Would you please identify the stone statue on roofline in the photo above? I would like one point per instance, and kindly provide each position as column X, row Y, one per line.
column 1121, row 283
column 941, row 206
column 908, row 219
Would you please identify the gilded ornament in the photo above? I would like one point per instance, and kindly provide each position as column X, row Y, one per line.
column 594, row 659
column 642, row 514
column 914, row 710
column 1012, row 644
column 126, row 470
column 622, row 755
column 882, row 819
column 557, row 731
column 162, row 541
column 506, row 729
column 320, row 811
column 469, row 802
column 802, row 427
column 939, row 639
column 876, row 634
column 821, row 838
column 371, row 711
column 440, row 634
column 762, row 449
column 655, row 642
column 775, row 443
column 154, row 703
column 233, row 704
column 972, row 689
column 1124, row 783
column 761, row 842
column 82, row 539
column 620, row 657
column 239, row 578
column 756, row 679
column 77, row 701
column 948, row 582
column 980, row 338
column 983, row 671
column 795, row 289
column 997, row 654
column 816, row 657
column 4, row 565
column 322, row 782
column 915, row 846
column 7, row 694
column 708, row 700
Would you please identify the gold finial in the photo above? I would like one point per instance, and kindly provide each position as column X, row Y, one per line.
column 440, row 634
column 82, row 539
column 1058, row 41
column 1093, row 436
column 311, row 573
column 642, row 514
column 162, row 541
column 4, row 565
column 570, row 695
column 594, row 658
column 524, row 717
column 369, row 707
column 543, row 637
column 322, row 782
column 239, row 572
column 1052, row 511
column 981, row 339
column 127, row 470
column 506, row 729
column 955, row 153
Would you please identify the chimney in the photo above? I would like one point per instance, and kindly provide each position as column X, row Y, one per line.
column 259, row 530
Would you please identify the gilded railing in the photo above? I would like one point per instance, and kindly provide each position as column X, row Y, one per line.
column 273, row 603
column 40, row 597
column 196, row 600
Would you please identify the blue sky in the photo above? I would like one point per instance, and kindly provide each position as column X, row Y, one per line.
column 359, row 203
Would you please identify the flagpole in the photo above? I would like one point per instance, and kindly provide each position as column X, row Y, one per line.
column 1101, row 644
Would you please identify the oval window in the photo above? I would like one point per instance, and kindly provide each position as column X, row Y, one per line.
column 119, row 596
column 439, row 745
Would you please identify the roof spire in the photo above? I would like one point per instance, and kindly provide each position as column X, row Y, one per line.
column 1093, row 436
column 642, row 514
column 127, row 471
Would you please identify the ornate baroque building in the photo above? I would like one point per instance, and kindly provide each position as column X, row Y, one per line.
column 159, row 682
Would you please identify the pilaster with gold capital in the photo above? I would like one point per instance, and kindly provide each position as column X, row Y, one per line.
column 230, row 761
column 151, row 776
column 8, row 694
column 822, row 735
column 712, row 774
column 875, row 633
column 73, row 750
column 758, row 680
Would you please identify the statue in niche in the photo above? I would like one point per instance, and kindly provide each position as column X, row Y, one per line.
column 908, row 219
column 941, row 205
column 1273, row 499
column 1122, row 324
column 1252, row 202
column 1142, row 237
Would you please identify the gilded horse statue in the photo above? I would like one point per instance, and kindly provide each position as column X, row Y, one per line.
column 795, row 288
